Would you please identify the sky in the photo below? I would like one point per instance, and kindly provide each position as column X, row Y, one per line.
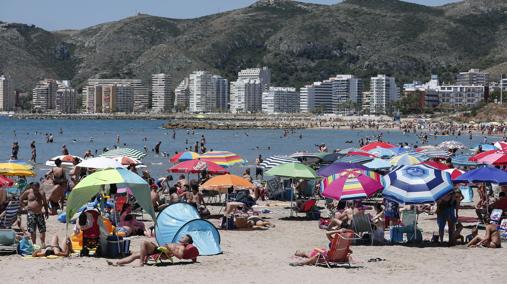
column 78, row 14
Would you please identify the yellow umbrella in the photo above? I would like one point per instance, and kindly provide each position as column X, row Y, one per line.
column 16, row 169
column 223, row 182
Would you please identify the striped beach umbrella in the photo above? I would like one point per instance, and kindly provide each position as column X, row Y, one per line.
column 416, row 184
column 351, row 184
column 337, row 167
column 274, row 161
column 382, row 152
column 223, row 158
column 463, row 161
column 455, row 173
column 197, row 166
column 408, row 159
column 451, row 145
column 502, row 145
column 378, row 164
column 478, row 156
column 355, row 159
column 435, row 153
column 436, row 165
column 361, row 153
column 184, row 156
column 497, row 159
column 374, row 145
column 129, row 152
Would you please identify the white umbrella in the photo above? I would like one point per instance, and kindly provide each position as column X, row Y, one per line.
column 67, row 161
column 100, row 163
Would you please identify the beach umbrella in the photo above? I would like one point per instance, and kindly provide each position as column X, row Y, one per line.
column 347, row 150
column 435, row 153
column 293, row 170
column 355, row 159
column 408, row 159
column 126, row 161
column 6, row 182
column 274, row 161
column 427, row 148
column 416, row 184
column 100, row 163
column 378, row 164
column 455, row 173
column 197, row 166
column 331, row 157
column 436, row 165
column 95, row 183
column 16, row 168
column 502, row 145
column 361, row 153
column 463, row 161
column 67, row 161
column 184, row 156
column 224, row 182
column 374, row 145
column 309, row 158
column 478, row 156
column 497, row 159
column 223, row 158
column 484, row 147
column 483, row 175
column 129, row 152
column 451, row 145
column 338, row 167
column 399, row 150
column 350, row 184
column 382, row 152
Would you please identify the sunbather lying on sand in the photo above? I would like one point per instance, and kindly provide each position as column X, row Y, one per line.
column 182, row 250
column 55, row 248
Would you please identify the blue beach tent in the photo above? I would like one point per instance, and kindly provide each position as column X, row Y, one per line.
column 180, row 219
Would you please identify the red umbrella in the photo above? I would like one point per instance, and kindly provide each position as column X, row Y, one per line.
column 197, row 166
column 502, row 145
column 497, row 159
column 481, row 155
column 374, row 145
column 455, row 173
column 5, row 181
column 360, row 153
column 436, row 165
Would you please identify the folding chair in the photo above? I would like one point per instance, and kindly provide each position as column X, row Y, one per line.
column 362, row 224
column 339, row 251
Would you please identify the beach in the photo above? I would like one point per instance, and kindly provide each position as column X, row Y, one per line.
column 264, row 257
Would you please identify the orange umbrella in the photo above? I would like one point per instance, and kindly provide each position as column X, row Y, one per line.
column 224, row 182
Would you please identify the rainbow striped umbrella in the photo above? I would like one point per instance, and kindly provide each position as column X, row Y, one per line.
column 184, row 156
column 223, row 158
column 351, row 184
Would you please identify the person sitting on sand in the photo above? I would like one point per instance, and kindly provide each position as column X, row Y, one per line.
column 55, row 249
column 343, row 219
column 184, row 250
column 312, row 257
column 490, row 240
column 457, row 233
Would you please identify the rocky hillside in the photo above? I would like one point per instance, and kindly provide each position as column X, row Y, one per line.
column 300, row 42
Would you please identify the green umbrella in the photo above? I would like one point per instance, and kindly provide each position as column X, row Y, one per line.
column 129, row 152
column 293, row 170
column 94, row 183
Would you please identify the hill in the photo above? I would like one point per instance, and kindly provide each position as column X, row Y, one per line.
column 300, row 42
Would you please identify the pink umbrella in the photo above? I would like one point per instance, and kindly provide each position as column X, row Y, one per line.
column 197, row 166
column 497, row 159
column 350, row 184
column 502, row 145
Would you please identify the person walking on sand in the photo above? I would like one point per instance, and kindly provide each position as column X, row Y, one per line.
column 35, row 218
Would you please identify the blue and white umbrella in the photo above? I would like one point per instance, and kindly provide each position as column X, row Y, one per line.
column 274, row 161
column 416, row 184
column 382, row 152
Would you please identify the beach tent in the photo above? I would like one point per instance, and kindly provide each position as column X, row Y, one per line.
column 180, row 219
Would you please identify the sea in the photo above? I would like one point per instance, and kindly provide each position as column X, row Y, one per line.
column 95, row 135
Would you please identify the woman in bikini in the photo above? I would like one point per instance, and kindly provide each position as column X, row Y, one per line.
column 59, row 179
column 55, row 248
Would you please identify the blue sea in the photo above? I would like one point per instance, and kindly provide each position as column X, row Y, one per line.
column 249, row 144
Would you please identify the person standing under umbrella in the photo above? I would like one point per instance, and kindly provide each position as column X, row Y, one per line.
column 446, row 213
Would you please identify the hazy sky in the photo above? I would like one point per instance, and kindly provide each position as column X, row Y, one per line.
column 77, row 14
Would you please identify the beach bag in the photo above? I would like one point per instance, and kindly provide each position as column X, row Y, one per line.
column 25, row 246
column 114, row 247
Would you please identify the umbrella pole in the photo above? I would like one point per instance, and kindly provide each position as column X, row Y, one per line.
column 291, row 198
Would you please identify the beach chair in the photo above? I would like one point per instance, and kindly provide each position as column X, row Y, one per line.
column 339, row 251
column 409, row 226
column 361, row 225
column 162, row 253
column 307, row 207
column 8, row 241
column 10, row 214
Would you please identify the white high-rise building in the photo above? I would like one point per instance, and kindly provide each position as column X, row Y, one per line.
column 459, row 96
column 44, row 95
column 246, row 96
column 280, row 100
column 202, row 95
column 246, row 92
column 317, row 97
column 162, row 99
column 346, row 93
column 7, row 95
column 221, row 89
column 182, row 95
column 384, row 93
column 66, row 98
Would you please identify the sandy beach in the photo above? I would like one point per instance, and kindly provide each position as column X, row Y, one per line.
column 264, row 257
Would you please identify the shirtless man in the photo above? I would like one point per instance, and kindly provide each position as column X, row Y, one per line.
column 57, row 196
column 182, row 250
column 343, row 219
column 490, row 240
column 35, row 218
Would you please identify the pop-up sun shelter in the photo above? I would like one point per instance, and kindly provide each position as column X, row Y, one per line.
column 180, row 219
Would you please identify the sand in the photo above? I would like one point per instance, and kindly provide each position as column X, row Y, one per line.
column 264, row 257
